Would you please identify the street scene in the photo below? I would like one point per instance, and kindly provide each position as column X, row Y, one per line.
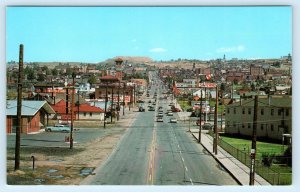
column 136, row 113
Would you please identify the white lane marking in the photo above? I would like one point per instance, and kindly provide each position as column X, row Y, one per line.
column 182, row 159
column 186, row 168
column 180, row 152
column 191, row 181
column 150, row 177
column 178, row 146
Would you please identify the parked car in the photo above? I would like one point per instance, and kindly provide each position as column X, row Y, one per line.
column 170, row 114
column 206, row 126
column 58, row 128
column 173, row 120
column 160, row 119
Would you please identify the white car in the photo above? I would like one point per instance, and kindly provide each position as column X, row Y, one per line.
column 170, row 114
column 59, row 128
column 173, row 120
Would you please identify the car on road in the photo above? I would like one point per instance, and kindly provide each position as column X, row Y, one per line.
column 159, row 119
column 58, row 128
column 173, row 120
column 141, row 109
column 160, row 115
column 169, row 114
column 151, row 108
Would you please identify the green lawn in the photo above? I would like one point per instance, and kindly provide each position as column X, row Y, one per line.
column 184, row 104
column 261, row 147
column 277, row 174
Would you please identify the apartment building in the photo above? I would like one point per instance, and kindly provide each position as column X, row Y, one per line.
column 274, row 117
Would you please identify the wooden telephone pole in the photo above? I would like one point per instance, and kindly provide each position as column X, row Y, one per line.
column 215, row 143
column 253, row 148
column 19, row 110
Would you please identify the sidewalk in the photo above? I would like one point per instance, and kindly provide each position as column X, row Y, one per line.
column 237, row 169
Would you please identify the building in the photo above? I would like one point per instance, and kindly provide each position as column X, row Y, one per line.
column 35, row 116
column 82, row 112
column 274, row 117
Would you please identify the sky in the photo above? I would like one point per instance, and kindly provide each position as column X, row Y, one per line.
column 94, row 34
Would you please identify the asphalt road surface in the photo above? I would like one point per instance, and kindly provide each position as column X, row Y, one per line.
column 159, row 153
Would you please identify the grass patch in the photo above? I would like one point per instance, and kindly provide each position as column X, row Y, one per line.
column 184, row 104
column 277, row 173
column 261, row 147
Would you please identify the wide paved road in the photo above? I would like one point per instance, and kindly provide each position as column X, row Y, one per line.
column 128, row 165
column 159, row 153
column 181, row 161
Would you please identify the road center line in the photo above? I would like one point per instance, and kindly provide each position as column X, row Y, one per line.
column 191, row 181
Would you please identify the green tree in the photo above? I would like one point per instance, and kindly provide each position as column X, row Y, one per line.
column 92, row 80
column 54, row 72
column 69, row 71
column 41, row 77
column 30, row 74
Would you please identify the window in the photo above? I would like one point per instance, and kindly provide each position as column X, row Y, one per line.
column 262, row 111
column 243, row 110
column 234, row 110
column 249, row 125
column 287, row 112
column 279, row 112
column 84, row 114
column 249, row 111
column 91, row 114
column 272, row 127
column 243, row 126
column 262, row 127
column 228, row 110
column 272, row 112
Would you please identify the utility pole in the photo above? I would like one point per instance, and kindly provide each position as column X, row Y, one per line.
column 105, row 108
column 215, row 144
column 19, row 110
column 78, row 104
column 253, row 148
column 112, row 103
column 200, row 119
column 118, row 109
column 124, row 98
column 72, row 110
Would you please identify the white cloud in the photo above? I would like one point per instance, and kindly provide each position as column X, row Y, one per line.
column 157, row 50
column 239, row 48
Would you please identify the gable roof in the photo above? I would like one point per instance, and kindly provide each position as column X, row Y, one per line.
column 29, row 108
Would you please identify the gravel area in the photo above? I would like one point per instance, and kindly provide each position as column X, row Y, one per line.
column 64, row 166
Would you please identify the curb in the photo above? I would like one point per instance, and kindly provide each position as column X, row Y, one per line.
column 234, row 177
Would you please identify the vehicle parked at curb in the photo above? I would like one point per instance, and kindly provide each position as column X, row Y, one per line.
column 59, row 128
column 159, row 119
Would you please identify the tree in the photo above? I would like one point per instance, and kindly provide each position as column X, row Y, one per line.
column 30, row 74
column 40, row 77
column 69, row 71
column 92, row 80
column 54, row 72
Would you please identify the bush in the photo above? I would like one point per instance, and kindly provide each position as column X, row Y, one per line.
column 267, row 159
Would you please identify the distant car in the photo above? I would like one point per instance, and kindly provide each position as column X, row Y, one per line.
column 173, row 120
column 58, row 128
column 160, row 115
column 159, row 119
column 151, row 108
column 170, row 114
column 141, row 109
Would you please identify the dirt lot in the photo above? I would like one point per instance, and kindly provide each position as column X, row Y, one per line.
column 63, row 166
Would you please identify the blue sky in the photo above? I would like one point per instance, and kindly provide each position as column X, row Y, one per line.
column 94, row 34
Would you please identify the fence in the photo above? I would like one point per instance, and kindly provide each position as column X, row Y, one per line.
column 275, row 174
